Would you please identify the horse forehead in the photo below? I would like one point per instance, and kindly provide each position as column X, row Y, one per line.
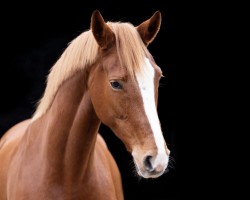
column 114, row 67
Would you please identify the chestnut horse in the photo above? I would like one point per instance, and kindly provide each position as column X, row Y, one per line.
column 105, row 75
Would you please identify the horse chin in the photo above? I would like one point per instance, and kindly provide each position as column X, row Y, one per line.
column 150, row 174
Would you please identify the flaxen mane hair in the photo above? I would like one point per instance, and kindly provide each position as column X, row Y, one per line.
column 82, row 52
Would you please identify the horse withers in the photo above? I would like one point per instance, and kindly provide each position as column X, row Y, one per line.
column 106, row 75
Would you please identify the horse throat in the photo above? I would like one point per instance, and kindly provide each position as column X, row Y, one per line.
column 71, row 129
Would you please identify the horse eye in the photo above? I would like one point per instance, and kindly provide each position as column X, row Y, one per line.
column 116, row 85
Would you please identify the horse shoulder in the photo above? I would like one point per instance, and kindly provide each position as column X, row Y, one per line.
column 8, row 144
column 14, row 132
column 111, row 168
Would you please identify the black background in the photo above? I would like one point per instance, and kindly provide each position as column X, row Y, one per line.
column 34, row 35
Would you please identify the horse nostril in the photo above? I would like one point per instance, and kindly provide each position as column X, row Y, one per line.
column 147, row 163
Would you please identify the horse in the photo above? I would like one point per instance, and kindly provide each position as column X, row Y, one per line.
column 105, row 75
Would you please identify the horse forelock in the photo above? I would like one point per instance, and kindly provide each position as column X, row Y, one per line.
column 83, row 51
column 130, row 48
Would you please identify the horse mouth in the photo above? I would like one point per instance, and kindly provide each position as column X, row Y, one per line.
column 154, row 173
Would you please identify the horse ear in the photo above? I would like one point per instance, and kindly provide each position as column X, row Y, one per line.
column 149, row 28
column 101, row 31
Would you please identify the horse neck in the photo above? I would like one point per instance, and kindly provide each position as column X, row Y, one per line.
column 70, row 129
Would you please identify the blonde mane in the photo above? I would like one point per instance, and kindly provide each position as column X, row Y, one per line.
column 83, row 51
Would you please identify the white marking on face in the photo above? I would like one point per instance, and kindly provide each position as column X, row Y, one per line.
column 146, row 85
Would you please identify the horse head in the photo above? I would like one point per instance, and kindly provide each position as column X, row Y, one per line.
column 123, row 87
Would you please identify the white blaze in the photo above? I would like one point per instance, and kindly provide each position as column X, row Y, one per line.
column 146, row 85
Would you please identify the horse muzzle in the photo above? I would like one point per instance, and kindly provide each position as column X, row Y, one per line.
column 151, row 166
